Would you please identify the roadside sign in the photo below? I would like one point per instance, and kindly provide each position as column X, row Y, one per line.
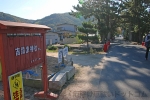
column 16, row 86
column 65, row 51
column 60, row 51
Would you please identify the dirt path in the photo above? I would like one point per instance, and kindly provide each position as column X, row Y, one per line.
column 88, row 70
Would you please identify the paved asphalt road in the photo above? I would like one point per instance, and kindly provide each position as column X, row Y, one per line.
column 122, row 74
column 126, row 74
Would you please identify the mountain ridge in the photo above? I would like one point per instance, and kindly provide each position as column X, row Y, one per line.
column 51, row 20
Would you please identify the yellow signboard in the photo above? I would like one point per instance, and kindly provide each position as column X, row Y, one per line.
column 16, row 86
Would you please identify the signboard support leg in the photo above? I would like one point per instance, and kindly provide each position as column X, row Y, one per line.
column 4, row 72
column 45, row 94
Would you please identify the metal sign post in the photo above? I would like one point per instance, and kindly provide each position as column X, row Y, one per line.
column 61, row 54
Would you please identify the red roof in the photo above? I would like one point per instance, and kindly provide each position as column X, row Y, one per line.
column 18, row 24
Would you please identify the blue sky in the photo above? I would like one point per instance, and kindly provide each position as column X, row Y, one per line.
column 36, row 9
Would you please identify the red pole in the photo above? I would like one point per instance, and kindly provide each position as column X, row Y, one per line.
column 45, row 94
column 45, row 80
column 4, row 72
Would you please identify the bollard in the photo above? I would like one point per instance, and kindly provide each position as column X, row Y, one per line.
column 105, row 47
column 143, row 43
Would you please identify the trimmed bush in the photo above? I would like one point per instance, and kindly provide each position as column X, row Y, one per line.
column 67, row 46
column 93, row 39
column 52, row 48
column 91, row 50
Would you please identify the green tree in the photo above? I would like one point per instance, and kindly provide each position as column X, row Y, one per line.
column 135, row 17
column 104, row 13
column 88, row 28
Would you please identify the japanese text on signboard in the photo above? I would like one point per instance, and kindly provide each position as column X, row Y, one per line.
column 24, row 50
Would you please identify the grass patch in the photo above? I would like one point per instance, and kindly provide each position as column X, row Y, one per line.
column 79, row 52
column 75, row 53
column 86, row 52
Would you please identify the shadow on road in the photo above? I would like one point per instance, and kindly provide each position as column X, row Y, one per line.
column 122, row 75
column 126, row 74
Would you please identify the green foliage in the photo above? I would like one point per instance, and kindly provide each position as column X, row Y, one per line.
column 87, row 27
column 66, row 45
column 52, row 48
column 135, row 17
column 131, row 15
column 103, row 12
column 91, row 50
column 82, row 37
column 8, row 17
column 94, row 39
column 55, row 19
column 79, row 41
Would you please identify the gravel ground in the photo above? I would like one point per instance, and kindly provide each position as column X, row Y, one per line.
column 29, row 91
column 83, row 64
column 88, row 68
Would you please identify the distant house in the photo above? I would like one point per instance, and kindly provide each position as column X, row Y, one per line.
column 60, row 33
column 52, row 38
column 66, row 29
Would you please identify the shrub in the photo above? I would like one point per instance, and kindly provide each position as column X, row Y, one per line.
column 72, row 36
column 82, row 37
column 93, row 39
column 52, row 48
column 91, row 50
column 79, row 41
column 67, row 46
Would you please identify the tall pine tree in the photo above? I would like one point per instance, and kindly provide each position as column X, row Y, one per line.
column 104, row 12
